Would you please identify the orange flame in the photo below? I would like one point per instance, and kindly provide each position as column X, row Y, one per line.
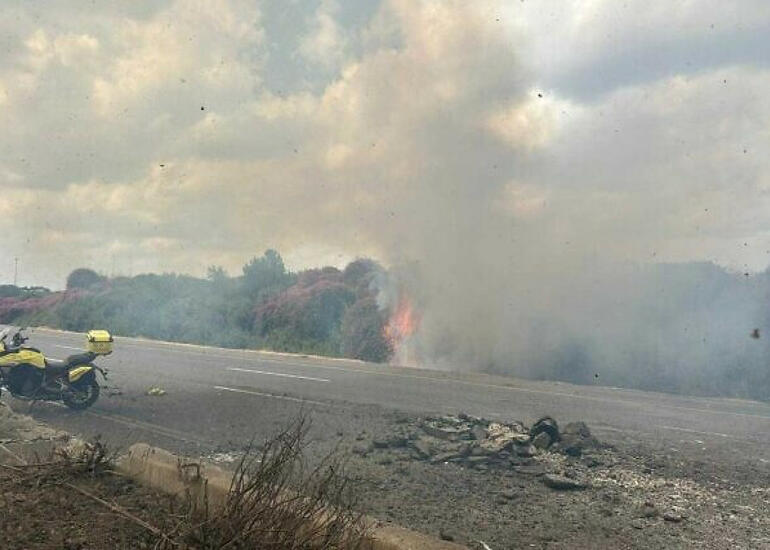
column 402, row 324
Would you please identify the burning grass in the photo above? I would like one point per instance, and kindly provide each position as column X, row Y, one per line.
column 401, row 325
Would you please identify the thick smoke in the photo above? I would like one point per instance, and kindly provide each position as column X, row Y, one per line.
column 521, row 262
column 525, row 170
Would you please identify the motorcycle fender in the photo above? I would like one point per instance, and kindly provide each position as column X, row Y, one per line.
column 78, row 372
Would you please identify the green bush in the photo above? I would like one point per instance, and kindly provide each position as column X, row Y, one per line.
column 267, row 307
column 84, row 278
column 363, row 335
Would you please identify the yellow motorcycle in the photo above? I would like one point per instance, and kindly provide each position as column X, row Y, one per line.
column 27, row 374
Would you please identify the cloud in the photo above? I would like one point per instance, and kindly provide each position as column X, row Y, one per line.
column 200, row 44
column 165, row 135
column 325, row 43
column 102, row 96
column 590, row 48
column 529, row 123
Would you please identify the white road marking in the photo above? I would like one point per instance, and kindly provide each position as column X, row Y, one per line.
column 139, row 424
column 68, row 347
column 173, row 346
column 147, row 426
column 281, row 374
column 358, row 370
column 260, row 394
column 241, row 357
column 687, row 430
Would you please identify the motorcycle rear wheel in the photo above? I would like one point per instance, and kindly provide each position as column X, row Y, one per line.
column 84, row 393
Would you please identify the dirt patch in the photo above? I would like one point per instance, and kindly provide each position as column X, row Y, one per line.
column 604, row 496
column 43, row 513
column 716, row 487
column 73, row 499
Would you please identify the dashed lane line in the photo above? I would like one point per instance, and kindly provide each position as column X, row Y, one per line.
column 699, row 432
column 169, row 346
column 271, row 395
column 280, row 374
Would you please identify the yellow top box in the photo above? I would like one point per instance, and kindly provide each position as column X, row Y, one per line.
column 99, row 336
column 99, row 342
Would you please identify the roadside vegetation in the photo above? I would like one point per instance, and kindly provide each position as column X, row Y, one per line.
column 318, row 311
column 692, row 328
column 275, row 501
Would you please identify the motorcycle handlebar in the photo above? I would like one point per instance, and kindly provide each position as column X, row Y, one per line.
column 18, row 338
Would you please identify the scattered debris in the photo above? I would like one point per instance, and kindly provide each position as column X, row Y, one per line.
column 545, row 425
column 479, row 443
column 508, row 494
column 542, row 441
column 649, row 510
column 228, row 458
column 447, row 427
column 562, row 483
column 445, row 535
column 156, row 391
column 576, row 438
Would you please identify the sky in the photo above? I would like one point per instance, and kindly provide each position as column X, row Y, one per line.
column 491, row 140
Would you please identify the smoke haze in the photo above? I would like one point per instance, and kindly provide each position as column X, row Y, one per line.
column 522, row 167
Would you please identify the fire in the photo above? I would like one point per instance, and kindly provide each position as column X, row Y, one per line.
column 402, row 324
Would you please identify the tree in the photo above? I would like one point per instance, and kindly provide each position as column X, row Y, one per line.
column 363, row 332
column 83, row 278
column 262, row 276
column 216, row 273
column 359, row 269
column 10, row 291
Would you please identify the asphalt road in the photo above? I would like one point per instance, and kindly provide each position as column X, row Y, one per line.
column 218, row 397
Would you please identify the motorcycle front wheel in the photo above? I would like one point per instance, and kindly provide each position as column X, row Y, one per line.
column 83, row 394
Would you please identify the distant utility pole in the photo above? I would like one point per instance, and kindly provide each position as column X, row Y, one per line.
column 15, row 271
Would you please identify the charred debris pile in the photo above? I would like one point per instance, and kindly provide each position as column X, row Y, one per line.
column 476, row 442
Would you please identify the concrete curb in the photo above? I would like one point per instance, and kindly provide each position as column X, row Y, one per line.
column 207, row 484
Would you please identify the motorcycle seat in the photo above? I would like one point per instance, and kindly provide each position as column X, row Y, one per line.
column 79, row 359
column 55, row 366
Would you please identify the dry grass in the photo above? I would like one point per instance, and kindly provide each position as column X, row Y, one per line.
column 277, row 501
column 63, row 464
